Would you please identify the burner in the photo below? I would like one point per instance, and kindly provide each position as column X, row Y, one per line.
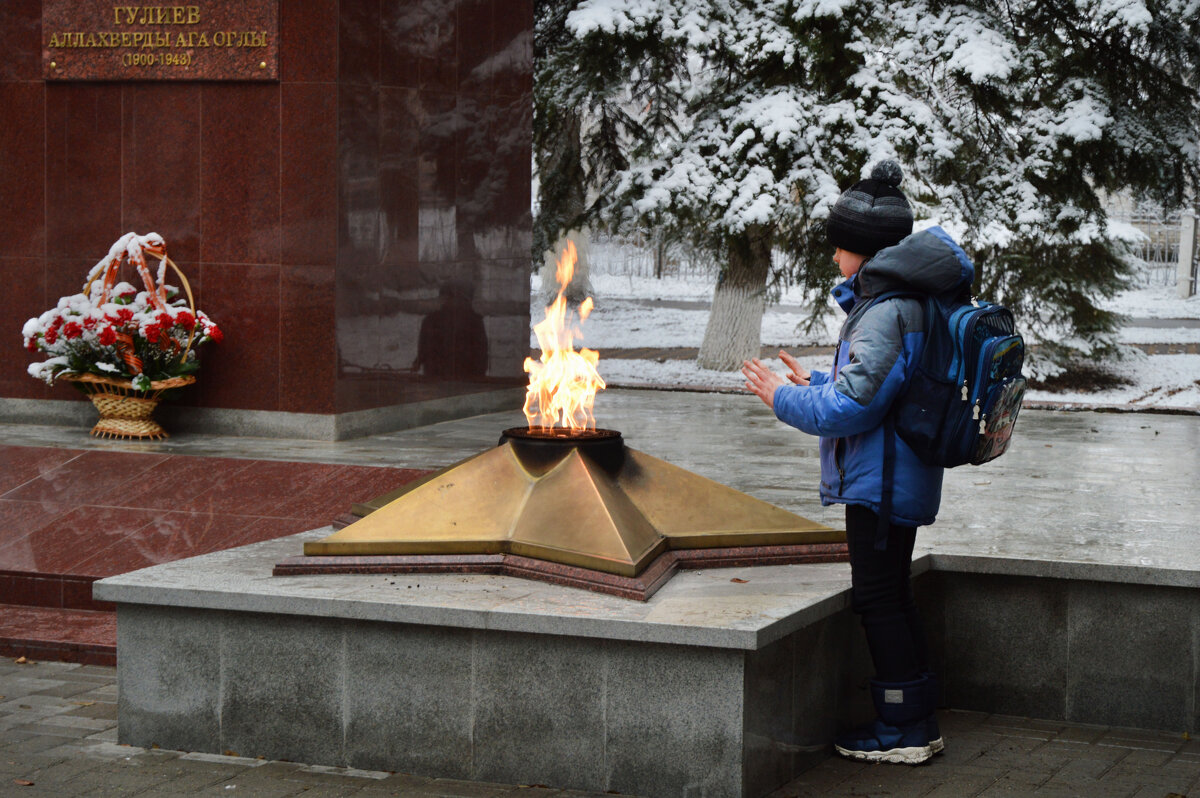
column 540, row 450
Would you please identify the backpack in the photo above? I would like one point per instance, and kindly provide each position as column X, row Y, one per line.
column 962, row 397
column 961, row 401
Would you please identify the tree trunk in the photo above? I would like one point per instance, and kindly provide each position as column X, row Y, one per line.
column 734, row 331
column 580, row 287
column 561, row 198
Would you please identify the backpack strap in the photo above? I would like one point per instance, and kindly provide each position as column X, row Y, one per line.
column 889, row 478
column 889, row 434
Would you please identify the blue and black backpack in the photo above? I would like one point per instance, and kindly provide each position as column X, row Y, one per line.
column 961, row 401
column 962, row 398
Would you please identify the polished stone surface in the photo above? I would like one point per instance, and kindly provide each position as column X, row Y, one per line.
column 1079, row 495
column 69, row 516
column 360, row 228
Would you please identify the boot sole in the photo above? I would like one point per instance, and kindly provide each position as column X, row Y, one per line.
column 896, row 756
column 937, row 746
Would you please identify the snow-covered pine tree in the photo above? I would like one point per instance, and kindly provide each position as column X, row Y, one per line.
column 596, row 105
column 1009, row 118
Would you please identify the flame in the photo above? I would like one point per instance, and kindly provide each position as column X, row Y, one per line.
column 563, row 385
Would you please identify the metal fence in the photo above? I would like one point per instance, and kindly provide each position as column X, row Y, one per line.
column 1158, row 253
column 645, row 256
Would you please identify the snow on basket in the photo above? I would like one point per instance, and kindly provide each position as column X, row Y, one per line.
column 123, row 347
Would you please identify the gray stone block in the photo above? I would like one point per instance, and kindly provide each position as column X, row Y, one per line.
column 1006, row 644
column 673, row 721
column 282, row 687
column 1131, row 656
column 770, row 711
column 169, row 672
column 539, row 710
column 408, row 698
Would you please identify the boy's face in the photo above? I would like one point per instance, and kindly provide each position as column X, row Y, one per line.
column 848, row 262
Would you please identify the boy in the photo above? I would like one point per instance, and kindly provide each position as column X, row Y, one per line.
column 870, row 227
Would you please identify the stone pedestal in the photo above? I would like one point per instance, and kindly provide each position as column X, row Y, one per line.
column 715, row 687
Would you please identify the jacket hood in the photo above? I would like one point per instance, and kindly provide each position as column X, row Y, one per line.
column 929, row 261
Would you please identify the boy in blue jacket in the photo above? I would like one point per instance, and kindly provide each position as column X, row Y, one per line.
column 870, row 227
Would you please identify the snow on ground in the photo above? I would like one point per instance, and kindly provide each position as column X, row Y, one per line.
column 1159, row 335
column 1155, row 302
column 626, row 317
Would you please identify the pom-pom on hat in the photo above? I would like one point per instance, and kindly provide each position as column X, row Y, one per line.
column 872, row 214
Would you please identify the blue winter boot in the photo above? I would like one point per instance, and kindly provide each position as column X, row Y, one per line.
column 900, row 734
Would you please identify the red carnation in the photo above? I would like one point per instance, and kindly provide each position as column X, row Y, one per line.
column 165, row 320
column 31, row 345
column 108, row 336
column 72, row 330
column 52, row 334
column 89, row 323
column 152, row 333
column 185, row 320
column 124, row 315
column 214, row 332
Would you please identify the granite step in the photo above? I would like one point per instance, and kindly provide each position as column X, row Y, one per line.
column 42, row 633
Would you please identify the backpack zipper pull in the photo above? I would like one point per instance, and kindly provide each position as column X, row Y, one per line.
column 983, row 426
column 975, row 411
column 965, row 392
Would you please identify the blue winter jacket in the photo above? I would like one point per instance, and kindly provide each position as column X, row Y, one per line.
column 877, row 348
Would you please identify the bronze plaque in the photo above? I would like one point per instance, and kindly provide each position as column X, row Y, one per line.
column 197, row 40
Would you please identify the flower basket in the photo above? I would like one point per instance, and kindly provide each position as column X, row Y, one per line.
column 125, row 349
column 125, row 410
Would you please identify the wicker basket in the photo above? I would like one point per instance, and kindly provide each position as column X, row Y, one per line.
column 124, row 410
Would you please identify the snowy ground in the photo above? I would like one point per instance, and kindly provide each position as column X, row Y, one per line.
column 628, row 315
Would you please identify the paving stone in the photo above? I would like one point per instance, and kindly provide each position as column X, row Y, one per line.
column 352, row 773
column 448, row 788
column 1171, row 778
column 74, row 722
column 36, row 702
column 244, row 784
column 400, row 782
column 94, row 709
column 43, row 728
column 964, row 781
column 1081, row 733
column 108, row 735
column 61, row 771
column 1156, row 792
column 67, row 689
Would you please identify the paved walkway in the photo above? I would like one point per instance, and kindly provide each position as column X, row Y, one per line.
column 58, row 738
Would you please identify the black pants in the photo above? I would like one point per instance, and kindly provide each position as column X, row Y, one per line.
column 881, row 595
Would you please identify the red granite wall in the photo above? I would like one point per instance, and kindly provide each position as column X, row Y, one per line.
column 379, row 188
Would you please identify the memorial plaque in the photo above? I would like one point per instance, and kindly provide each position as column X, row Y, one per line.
column 198, row 40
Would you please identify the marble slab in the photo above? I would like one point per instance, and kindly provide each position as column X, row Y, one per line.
column 742, row 608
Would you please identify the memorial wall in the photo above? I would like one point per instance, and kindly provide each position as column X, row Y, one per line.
column 344, row 182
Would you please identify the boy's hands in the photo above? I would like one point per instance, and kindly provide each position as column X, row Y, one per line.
column 761, row 381
column 799, row 375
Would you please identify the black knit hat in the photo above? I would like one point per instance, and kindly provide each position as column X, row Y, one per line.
column 871, row 214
